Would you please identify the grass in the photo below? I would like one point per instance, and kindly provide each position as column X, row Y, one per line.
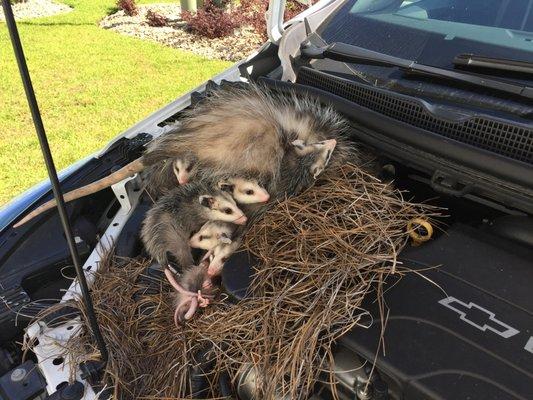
column 91, row 84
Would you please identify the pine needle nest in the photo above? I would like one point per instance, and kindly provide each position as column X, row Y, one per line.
column 320, row 253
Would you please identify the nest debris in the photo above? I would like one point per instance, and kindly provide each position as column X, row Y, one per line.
column 319, row 254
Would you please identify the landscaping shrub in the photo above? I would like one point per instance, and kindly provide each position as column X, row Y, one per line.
column 129, row 7
column 253, row 13
column 292, row 9
column 217, row 19
column 155, row 19
column 213, row 20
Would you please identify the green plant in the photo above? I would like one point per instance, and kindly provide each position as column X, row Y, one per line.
column 91, row 84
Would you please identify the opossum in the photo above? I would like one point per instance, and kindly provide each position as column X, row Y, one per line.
column 244, row 191
column 238, row 132
column 219, row 255
column 165, row 176
column 194, row 289
column 168, row 225
column 309, row 160
column 211, row 234
column 235, row 128
column 302, row 164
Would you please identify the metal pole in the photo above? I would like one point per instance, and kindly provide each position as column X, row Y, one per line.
column 41, row 134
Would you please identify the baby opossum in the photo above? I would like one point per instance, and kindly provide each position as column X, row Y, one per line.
column 194, row 289
column 182, row 211
column 211, row 234
column 165, row 176
column 219, row 255
column 309, row 160
column 235, row 132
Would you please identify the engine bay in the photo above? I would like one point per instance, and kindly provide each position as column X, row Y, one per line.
column 463, row 315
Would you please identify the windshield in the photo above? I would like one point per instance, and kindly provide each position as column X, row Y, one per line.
column 435, row 31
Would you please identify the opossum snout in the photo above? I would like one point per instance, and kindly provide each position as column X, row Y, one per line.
column 241, row 220
column 265, row 198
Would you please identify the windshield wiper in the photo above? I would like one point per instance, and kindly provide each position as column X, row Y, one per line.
column 347, row 53
column 476, row 61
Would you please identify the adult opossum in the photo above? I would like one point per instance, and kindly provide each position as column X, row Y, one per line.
column 301, row 165
column 246, row 131
column 238, row 132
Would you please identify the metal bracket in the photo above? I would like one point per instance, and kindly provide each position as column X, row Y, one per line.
column 121, row 191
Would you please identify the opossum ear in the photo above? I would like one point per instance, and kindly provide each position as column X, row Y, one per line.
column 301, row 148
column 316, row 171
column 298, row 143
column 224, row 238
column 226, row 186
column 207, row 201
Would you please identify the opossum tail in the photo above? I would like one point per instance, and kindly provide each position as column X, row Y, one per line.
column 126, row 171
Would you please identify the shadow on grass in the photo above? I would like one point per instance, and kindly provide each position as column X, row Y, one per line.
column 111, row 10
column 30, row 23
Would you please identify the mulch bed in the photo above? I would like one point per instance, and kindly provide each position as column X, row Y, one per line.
column 36, row 9
column 231, row 48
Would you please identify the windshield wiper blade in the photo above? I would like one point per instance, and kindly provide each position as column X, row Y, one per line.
column 347, row 53
column 476, row 61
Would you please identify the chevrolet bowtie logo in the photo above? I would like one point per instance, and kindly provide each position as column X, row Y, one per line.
column 490, row 322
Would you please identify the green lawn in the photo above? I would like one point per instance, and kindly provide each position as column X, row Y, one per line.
column 91, row 84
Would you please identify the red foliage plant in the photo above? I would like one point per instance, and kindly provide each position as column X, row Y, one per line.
column 212, row 21
column 253, row 13
column 155, row 19
column 128, row 6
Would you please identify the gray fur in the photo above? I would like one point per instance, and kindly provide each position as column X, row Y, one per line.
column 192, row 279
column 246, row 131
column 171, row 221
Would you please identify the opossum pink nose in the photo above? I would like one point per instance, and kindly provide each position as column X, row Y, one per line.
column 241, row 220
column 330, row 144
column 183, row 180
column 265, row 198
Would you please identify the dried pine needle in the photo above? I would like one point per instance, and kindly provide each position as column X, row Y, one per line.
column 320, row 253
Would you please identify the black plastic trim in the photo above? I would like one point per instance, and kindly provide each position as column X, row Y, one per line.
column 509, row 171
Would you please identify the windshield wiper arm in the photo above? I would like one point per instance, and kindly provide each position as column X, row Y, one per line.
column 347, row 53
column 476, row 61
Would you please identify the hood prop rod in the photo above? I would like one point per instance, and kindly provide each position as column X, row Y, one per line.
column 45, row 148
